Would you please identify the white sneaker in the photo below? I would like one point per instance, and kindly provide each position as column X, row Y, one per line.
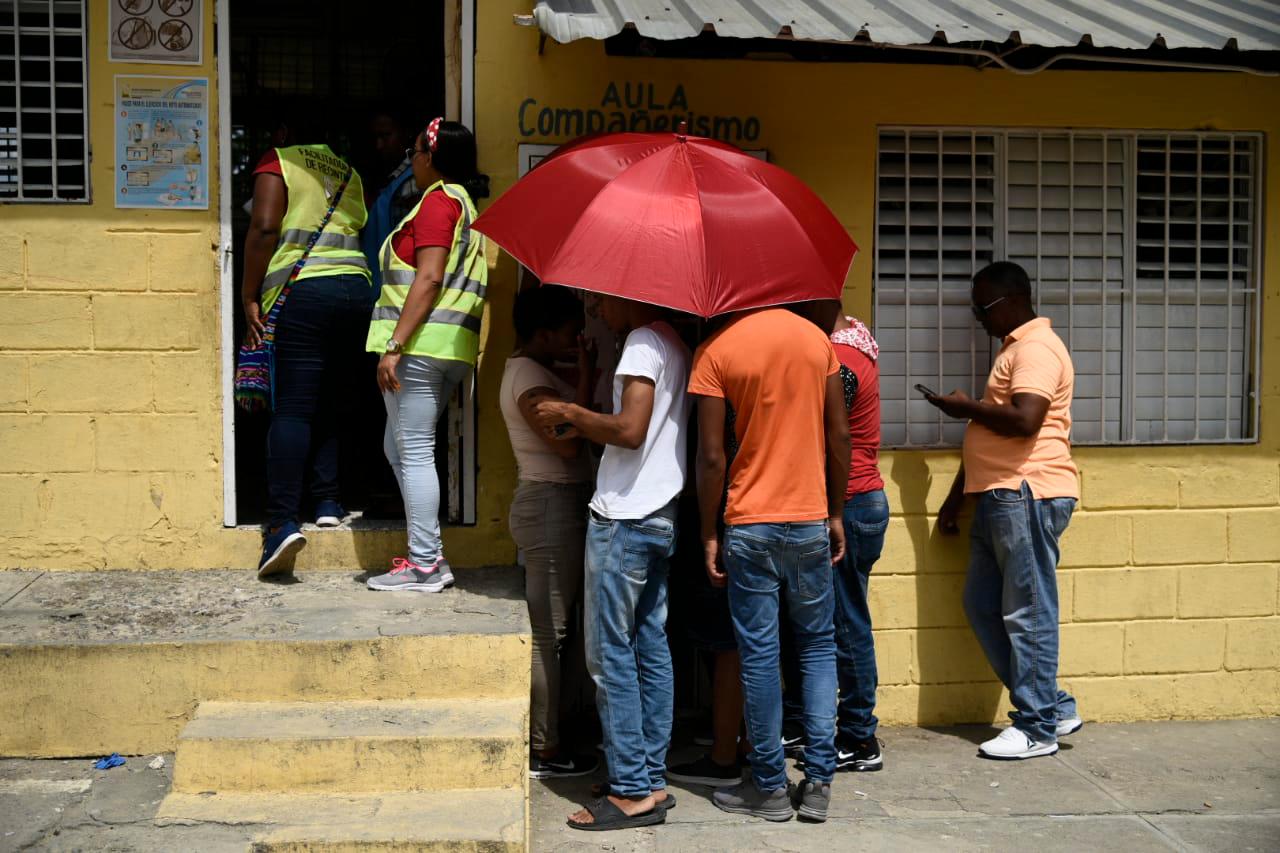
column 1069, row 726
column 1013, row 743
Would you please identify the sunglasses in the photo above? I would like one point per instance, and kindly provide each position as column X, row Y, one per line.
column 980, row 311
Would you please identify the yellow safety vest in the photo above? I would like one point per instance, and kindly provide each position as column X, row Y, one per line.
column 312, row 174
column 452, row 328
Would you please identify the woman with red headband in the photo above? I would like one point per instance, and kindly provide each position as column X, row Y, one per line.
column 426, row 324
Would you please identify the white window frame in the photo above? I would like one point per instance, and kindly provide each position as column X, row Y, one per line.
column 1253, row 291
column 11, row 138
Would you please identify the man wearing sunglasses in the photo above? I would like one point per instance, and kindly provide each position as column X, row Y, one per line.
column 1017, row 462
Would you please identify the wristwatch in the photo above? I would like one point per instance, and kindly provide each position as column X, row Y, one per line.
column 394, row 346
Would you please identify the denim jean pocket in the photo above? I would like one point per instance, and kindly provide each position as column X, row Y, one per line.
column 813, row 569
column 868, row 540
column 1006, row 496
column 870, row 529
column 644, row 543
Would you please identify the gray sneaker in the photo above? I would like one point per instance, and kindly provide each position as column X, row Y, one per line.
column 446, row 570
column 746, row 798
column 811, row 799
column 409, row 576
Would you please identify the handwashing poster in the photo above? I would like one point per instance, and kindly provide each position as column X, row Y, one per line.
column 162, row 142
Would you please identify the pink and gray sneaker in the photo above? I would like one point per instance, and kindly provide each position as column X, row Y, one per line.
column 409, row 576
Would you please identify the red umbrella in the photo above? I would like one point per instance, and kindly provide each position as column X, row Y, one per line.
column 674, row 220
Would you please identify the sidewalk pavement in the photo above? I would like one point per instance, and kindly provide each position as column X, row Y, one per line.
column 1129, row 787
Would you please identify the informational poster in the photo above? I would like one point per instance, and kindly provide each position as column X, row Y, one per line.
column 162, row 142
column 167, row 31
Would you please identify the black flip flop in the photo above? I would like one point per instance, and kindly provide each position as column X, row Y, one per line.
column 606, row 816
column 601, row 789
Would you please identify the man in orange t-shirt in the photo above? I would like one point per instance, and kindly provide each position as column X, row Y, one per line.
column 1017, row 460
column 783, row 529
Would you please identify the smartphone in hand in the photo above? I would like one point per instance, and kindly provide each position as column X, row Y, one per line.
column 925, row 391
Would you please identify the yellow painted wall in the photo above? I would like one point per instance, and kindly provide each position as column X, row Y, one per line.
column 110, row 430
column 1169, row 587
column 110, row 426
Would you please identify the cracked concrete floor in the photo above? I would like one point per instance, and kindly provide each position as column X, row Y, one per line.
column 1133, row 787
column 65, row 805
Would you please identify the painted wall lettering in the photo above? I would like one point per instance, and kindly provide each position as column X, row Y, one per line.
column 635, row 107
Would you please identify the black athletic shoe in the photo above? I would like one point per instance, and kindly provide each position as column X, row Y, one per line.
column 562, row 766
column 863, row 757
column 793, row 740
column 704, row 771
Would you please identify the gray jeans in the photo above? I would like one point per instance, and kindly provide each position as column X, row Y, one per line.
column 549, row 523
column 426, row 384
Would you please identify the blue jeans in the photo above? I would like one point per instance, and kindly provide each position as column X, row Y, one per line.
column 866, row 517
column 625, row 593
column 761, row 560
column 319, row 351
column 1011, row 598
column 426, row 384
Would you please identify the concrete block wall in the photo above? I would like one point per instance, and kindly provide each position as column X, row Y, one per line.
column 110, row 426
column 1169, row 591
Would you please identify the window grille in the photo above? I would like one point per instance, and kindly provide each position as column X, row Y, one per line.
column 44, row 145
column 935, row 226
column 1141, row 248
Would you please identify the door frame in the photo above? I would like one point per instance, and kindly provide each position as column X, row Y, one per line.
column 227, row 347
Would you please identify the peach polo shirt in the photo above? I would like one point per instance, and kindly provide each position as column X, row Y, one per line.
column 1033, row 360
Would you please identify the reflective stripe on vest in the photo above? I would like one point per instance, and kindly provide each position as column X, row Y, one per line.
column 312, row 174
column 452, row 328
column 327, row 239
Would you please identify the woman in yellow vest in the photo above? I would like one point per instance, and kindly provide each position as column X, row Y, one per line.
column 426, row 324
column 319, row 331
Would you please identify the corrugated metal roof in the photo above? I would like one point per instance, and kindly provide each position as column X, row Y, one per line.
column 1252, row 24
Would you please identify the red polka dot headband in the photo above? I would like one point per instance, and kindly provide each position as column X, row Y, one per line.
column 433, row 133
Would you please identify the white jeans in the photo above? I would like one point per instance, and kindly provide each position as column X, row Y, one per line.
column 426, row 384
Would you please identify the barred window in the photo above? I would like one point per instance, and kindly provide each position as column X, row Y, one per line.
column 44, row 143
column 1141, row 248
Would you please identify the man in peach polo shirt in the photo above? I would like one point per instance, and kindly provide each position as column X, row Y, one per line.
column 1017, row 461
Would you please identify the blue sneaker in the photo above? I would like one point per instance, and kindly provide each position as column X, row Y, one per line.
column 279, row 549
column 329, row 514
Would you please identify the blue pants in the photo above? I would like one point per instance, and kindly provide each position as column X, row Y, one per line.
column 866, row 517
column 625, row 593
column 1011, row 598
column 319, row 351
column 762, row 560
column 426, row 384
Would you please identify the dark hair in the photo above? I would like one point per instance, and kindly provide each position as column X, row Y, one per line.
column 1005, row 278
column 455, row 158
column 546, row 307
column 303, row 125
column 820, row 312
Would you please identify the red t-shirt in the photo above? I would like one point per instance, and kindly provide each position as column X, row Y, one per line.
column 269, row 164
column 433, row 226
column 864, row 421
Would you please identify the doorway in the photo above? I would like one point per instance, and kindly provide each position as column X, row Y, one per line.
column 375, row 76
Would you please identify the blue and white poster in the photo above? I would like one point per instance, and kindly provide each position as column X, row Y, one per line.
column 162, row 142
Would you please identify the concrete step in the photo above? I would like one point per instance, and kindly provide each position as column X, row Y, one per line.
column 353, row 746
column 480, row 821
column 129, row 656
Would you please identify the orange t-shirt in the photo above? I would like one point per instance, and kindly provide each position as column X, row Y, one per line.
column 1033, row 360
column 772, row 367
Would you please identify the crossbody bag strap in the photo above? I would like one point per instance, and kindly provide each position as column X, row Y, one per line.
column 269, row 327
